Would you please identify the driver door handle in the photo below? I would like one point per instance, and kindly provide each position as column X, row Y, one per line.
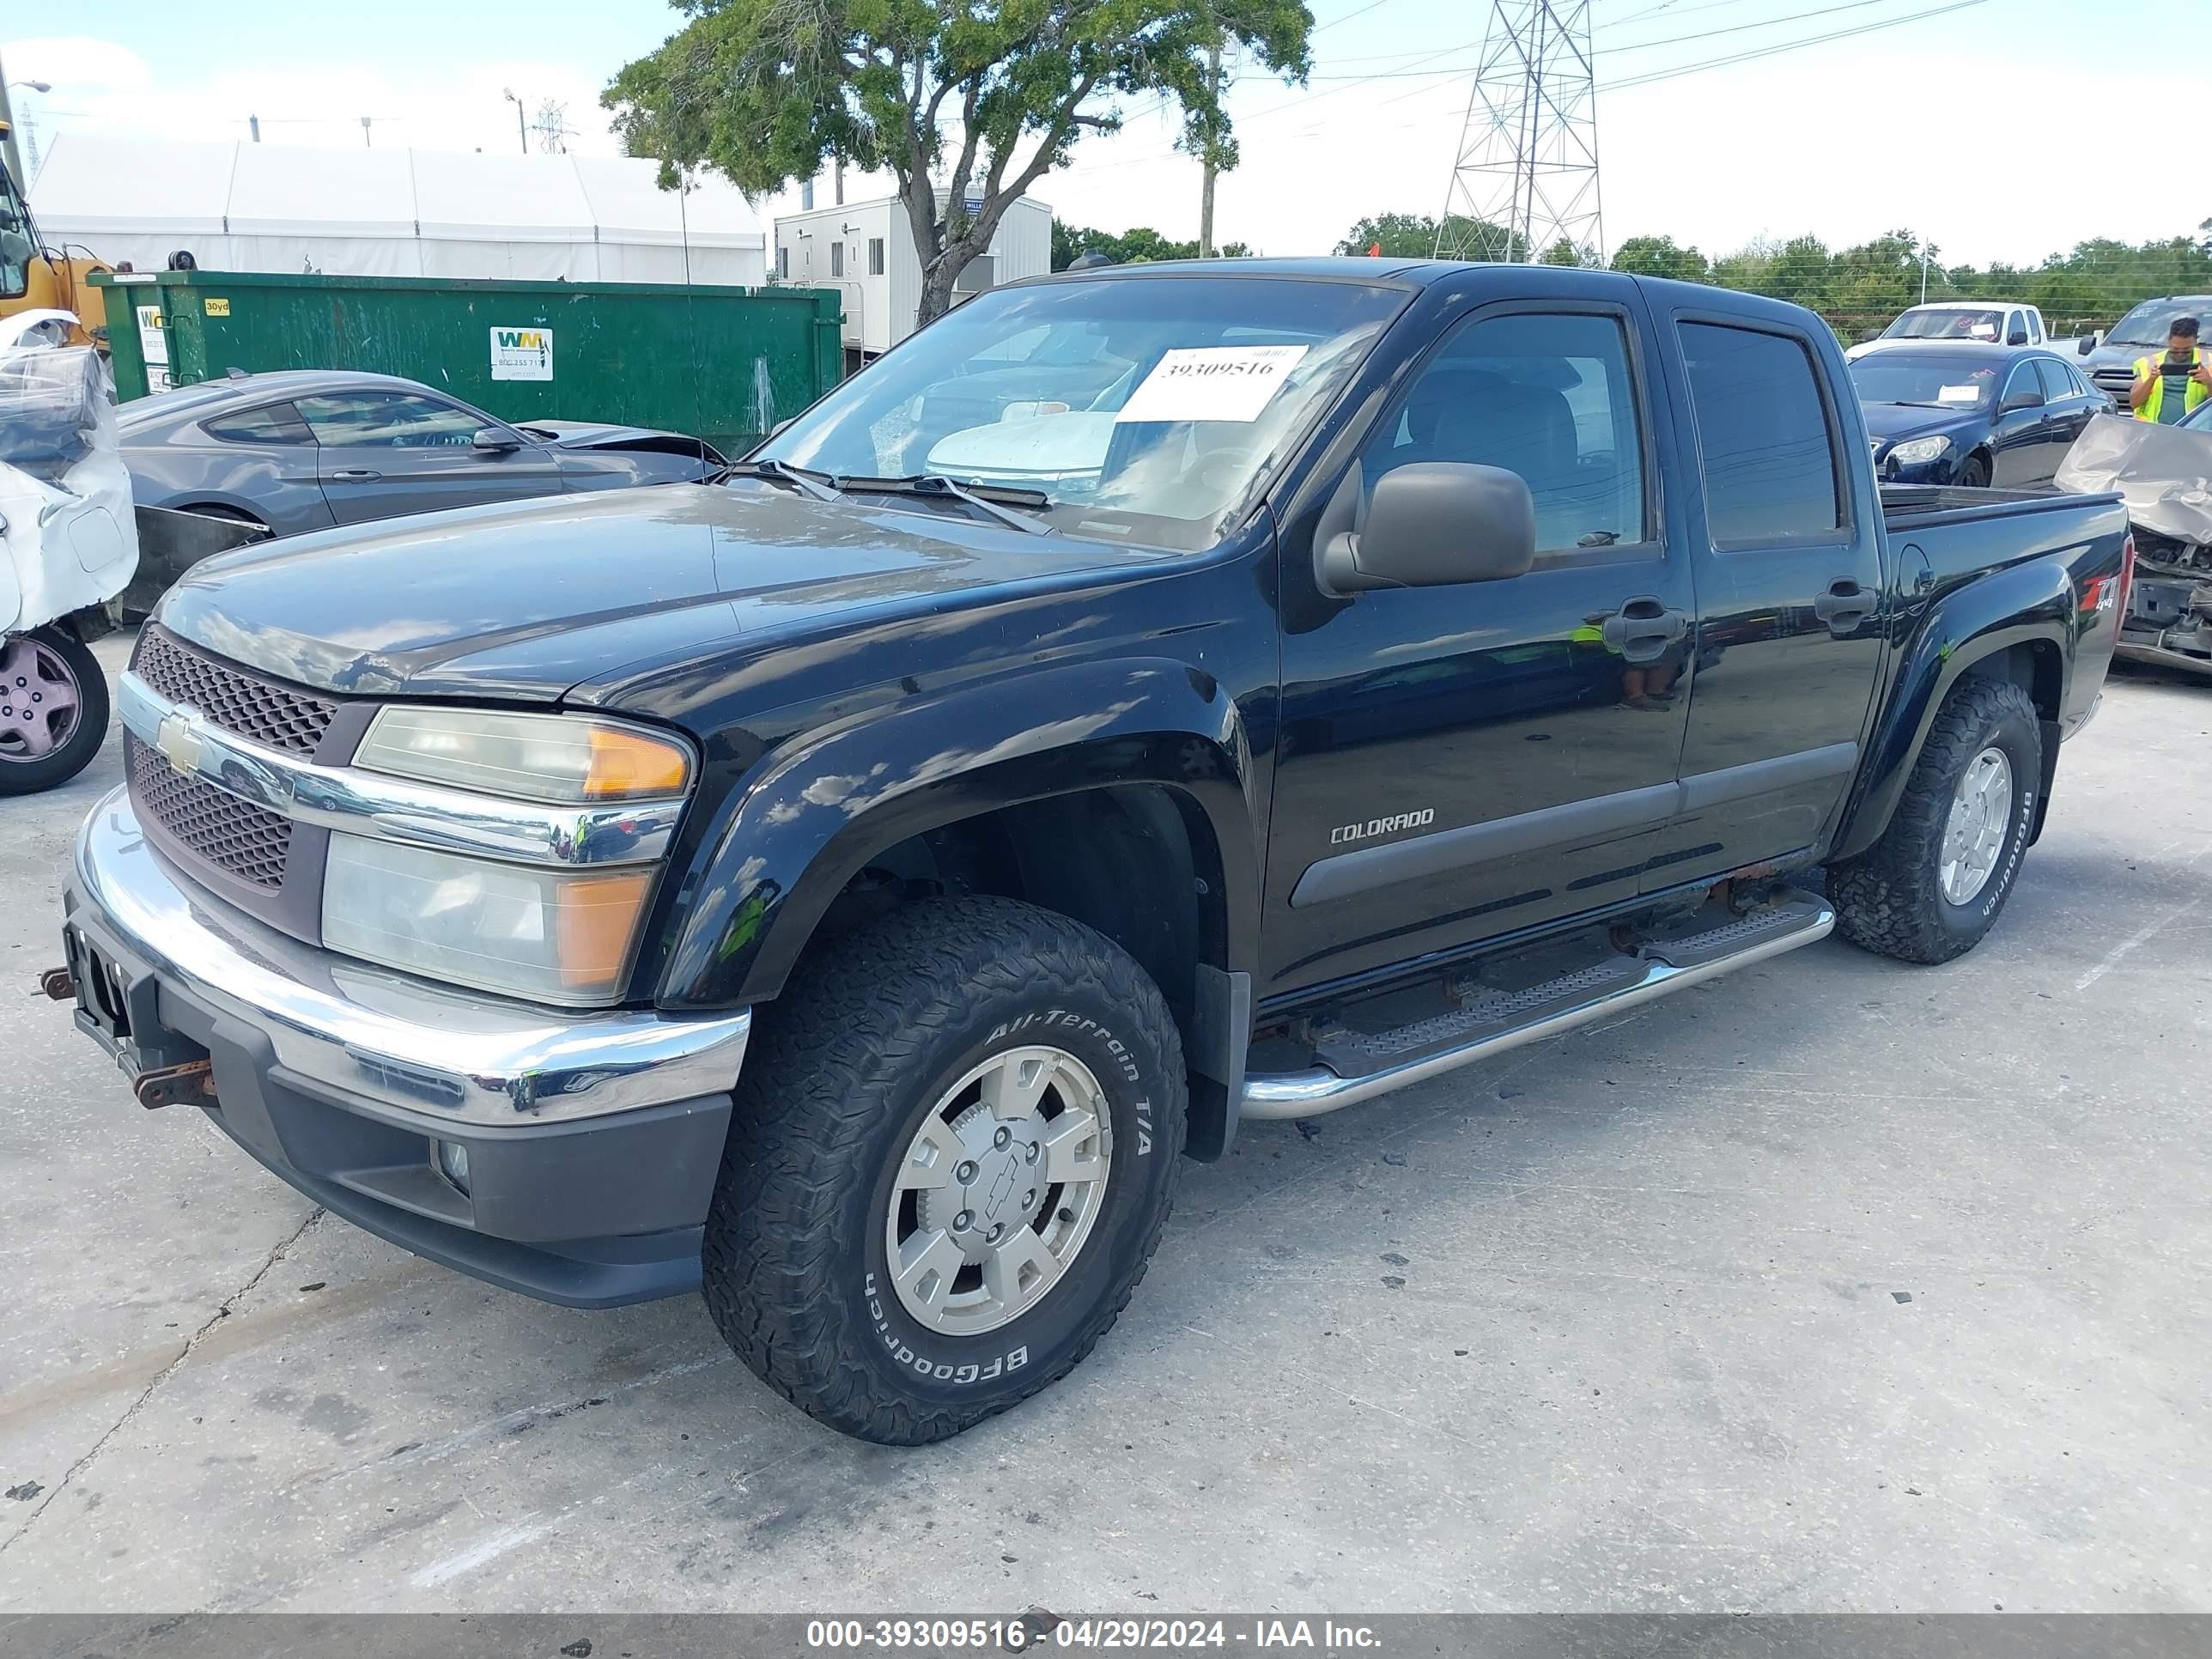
column 1843, row 606
column 356, row 475
column 1642, row 628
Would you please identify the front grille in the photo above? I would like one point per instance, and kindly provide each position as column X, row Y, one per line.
column 268, row 713
column 236, row 836
column 2116, row 382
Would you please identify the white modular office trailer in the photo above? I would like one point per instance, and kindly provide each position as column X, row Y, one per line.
column 865, row 252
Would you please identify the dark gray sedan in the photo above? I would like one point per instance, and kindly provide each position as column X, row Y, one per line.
column 305, row 449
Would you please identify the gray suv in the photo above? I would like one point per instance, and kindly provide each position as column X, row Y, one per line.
column 2109, row 364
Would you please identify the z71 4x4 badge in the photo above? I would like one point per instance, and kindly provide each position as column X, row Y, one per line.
column 1389, row 826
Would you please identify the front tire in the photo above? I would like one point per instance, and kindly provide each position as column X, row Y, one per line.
column 53, row 709
column 1932, row 886
column 1974, row 474
column 954, row 1148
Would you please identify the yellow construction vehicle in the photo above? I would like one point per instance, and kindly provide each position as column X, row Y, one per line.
column 34, row 277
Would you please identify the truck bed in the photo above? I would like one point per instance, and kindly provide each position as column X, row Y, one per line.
column 1910, row 507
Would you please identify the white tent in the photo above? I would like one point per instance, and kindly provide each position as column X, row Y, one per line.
column 392, row 213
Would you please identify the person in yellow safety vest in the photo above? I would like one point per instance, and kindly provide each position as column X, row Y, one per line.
column 2168, row 389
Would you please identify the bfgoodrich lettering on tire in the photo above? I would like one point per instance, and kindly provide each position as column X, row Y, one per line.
column 1934, row 884
column 954, row 1145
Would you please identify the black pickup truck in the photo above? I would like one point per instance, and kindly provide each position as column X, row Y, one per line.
column 1147, row 699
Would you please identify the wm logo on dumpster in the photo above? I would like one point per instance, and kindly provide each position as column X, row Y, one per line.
column 522, row 353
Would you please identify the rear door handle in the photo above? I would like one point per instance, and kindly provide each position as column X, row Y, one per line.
column 1642, row 628
column 356, row 475
column 1843, row 606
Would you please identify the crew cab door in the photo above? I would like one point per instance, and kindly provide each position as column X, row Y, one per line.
column 1462, row 761
column 1786, row 562
column 385, row 453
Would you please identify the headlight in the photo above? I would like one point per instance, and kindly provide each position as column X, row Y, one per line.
column 544, row 757
column 549, row 935
column 1917, row 451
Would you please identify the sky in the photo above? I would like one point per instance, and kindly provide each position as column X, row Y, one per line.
column 1998, row 130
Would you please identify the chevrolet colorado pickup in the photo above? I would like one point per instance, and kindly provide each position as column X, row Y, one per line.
column 1148, row 699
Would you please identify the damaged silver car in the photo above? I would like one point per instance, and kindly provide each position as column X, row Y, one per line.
column 2164, row 475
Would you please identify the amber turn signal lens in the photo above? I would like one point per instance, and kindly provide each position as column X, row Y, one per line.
column 629, row 763
column 596, row 917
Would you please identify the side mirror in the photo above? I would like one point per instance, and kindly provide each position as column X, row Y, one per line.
column 2086, row 344
column 1434, row 524
column 2020, row 400
column 1867, row 334
column 2018, row 337
column 494, row 441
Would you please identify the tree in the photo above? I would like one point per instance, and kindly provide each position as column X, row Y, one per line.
column 1140, row 244
column 764, row 90
column 1657, row 256
column 1404, row 235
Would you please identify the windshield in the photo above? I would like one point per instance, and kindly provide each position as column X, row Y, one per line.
column 1960, row 325
column 15, row 245
column 1940, row 382
column 1144, row 409
column 2149, row 323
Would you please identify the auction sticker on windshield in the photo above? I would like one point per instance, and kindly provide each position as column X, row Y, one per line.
column 1211, row 383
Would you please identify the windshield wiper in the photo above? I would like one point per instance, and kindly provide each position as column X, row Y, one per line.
column 986, row 498
column 816, row 486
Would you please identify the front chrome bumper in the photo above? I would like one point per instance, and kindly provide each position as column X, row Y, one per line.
column 356, row 1033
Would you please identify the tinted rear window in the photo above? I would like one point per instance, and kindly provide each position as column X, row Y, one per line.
column 1769, row 459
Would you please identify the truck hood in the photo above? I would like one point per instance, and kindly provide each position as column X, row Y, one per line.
column 525, row 601
column 2111, row 355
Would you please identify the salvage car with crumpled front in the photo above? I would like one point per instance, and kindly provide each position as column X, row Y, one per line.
column 2164, row 474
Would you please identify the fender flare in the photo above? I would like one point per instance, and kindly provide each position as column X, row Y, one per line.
column 815, row 813
column 2027, row 604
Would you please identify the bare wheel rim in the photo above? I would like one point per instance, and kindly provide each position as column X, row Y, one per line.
column 998, row 1190
column 1979, row 825
column 40, row 701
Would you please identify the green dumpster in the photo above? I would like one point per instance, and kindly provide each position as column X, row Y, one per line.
column 723, row 364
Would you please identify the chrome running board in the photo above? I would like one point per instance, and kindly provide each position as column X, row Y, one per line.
column 1360, row 1067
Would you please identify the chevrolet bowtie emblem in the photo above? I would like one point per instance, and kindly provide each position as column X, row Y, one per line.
column 179, row 743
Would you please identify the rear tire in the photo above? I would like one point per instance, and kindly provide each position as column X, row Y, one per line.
column 53, row 709
column 900, row 1053
column 1932, row 886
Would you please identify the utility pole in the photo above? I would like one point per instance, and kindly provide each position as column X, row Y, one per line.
column 1525, row 177
column 841, row 181
column 1206, row 189
column 253, row 127
column 522, row 126
column 1923, row 271
column 364, row 141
